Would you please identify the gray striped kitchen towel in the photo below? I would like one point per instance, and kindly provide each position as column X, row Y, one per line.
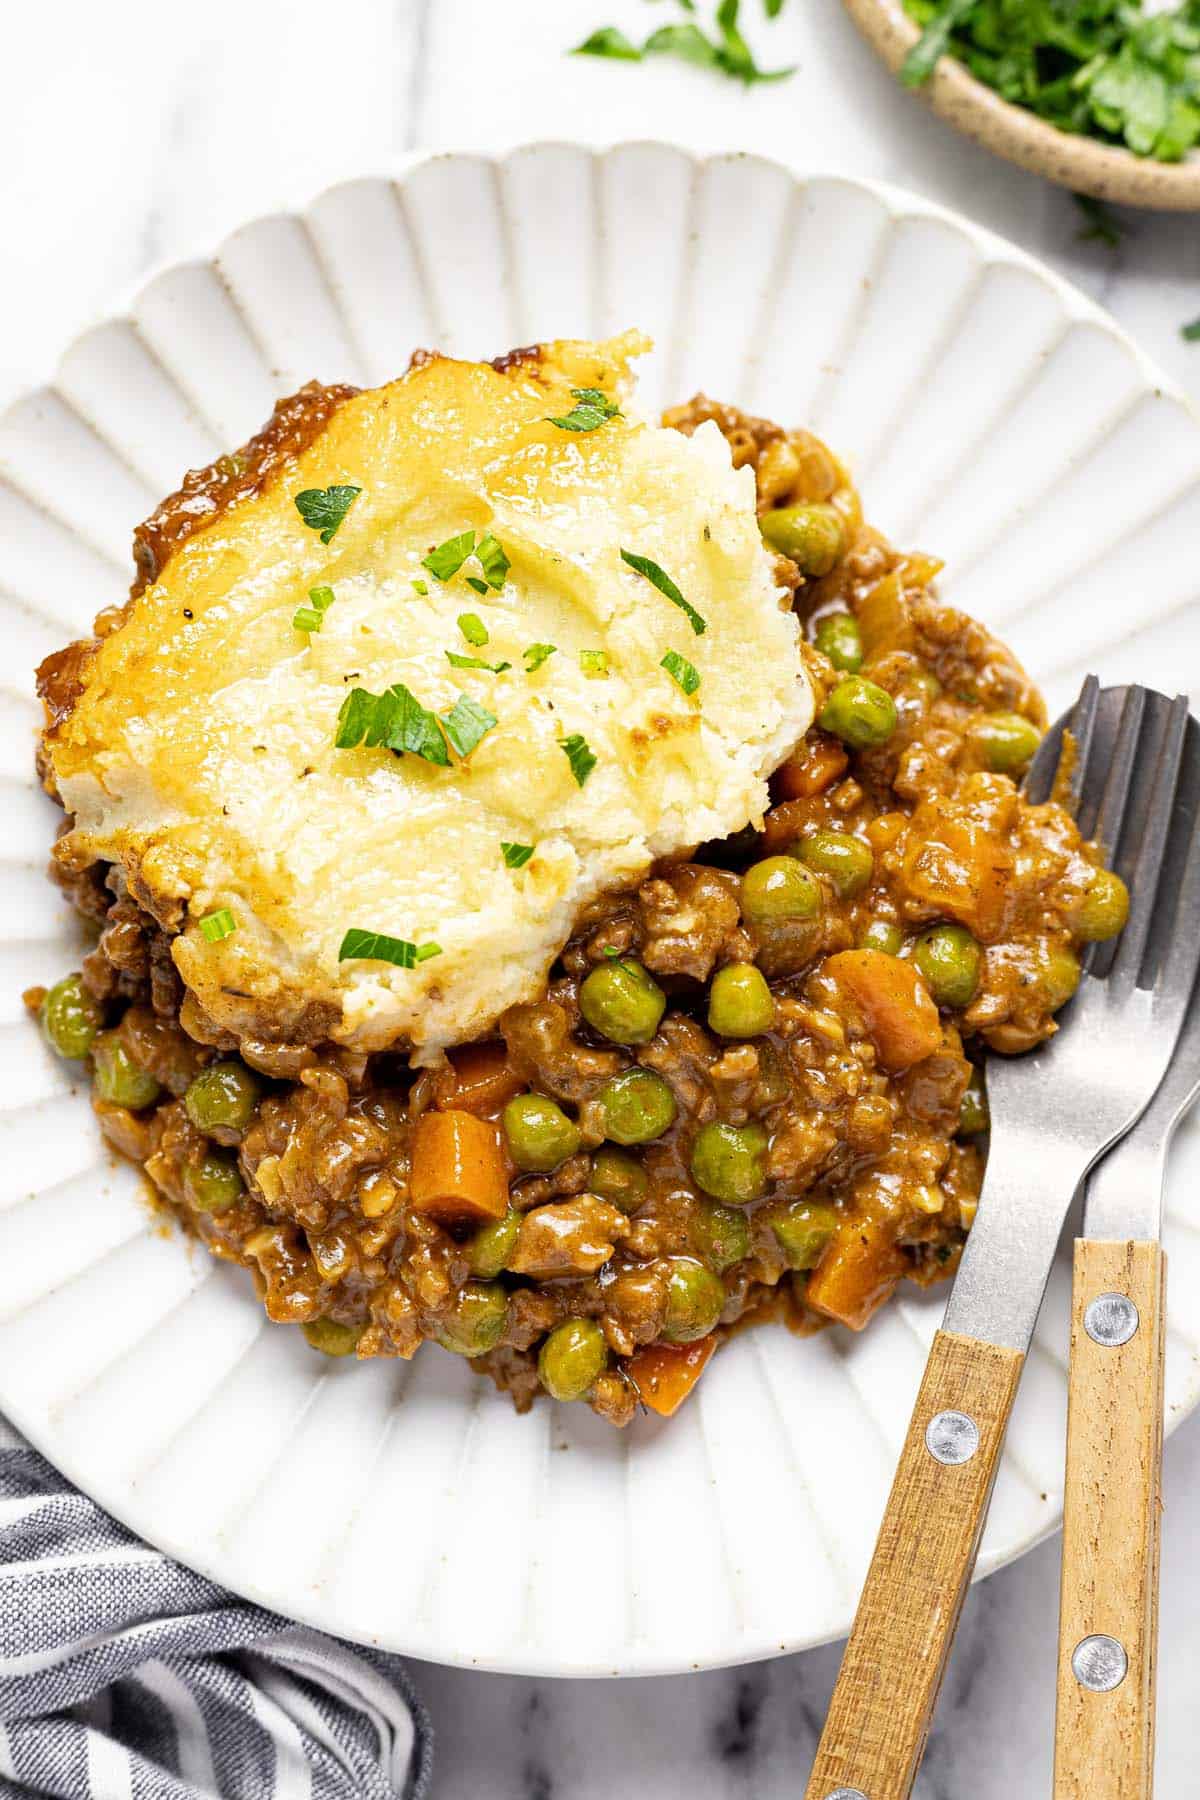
column 124, row 1676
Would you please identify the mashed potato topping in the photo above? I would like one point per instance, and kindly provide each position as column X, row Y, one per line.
column 201, row 753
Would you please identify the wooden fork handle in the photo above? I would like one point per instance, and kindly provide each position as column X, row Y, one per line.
column 882, row 1705
column 1104, row 1740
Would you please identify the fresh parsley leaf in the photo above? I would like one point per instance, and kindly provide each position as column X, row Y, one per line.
column 489, row 554
column 772, row 8
column 1191, row 333
column 217, row 925
column 933, row 42
column 1101, row 224
column 594, row 662
column 422, row 587
column 473, row 629
column 687, row 42
column 323, row 509
column 536, row 654
column 683, row 673
column 608, row 41
column 467, row 724
column 376, row 946
column 447, row 559
column 575, row 749
column 458, row 661
column 310, row 617
column 659, row 578
column 591, row 410
column 394, row 720
column 735, row 56
column 516, row 855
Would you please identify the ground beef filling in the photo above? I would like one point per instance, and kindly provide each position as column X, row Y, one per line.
column 793, row 1127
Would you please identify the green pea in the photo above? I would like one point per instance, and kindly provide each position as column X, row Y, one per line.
column 845, row 861
column 215, row 1184
column 572, row 1356
column 1060, row 973
column 922, row 685
column 118, row 1080
column 860, row 713
column 802, row 1231
column 333, row 1339
column 223, row 1095
column 740, row 1004
column 492, row 1245
column 70, row 1018
column 695, row 1300
column 622, row 1002
column 638, row 1106
column 728, row 1161
column 618, row 1178
column 882, row 934
column 539, row 1133
column 839, row 638
column 973, row 1113
column 949, row 959
column 1006, row 741
column 811, row 535
column 475, row 1320
column 777, row 889
column 719, row 1235
column 1105, row 908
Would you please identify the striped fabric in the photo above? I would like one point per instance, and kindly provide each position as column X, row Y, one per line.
column 124, row 1676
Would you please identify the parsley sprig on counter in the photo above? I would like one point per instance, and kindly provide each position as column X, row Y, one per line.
column 1098, row 68
column 724, row 49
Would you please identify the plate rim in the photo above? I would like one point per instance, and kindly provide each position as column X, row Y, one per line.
column 899, row 202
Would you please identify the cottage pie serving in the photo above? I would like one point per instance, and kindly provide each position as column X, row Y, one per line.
column 550, row 867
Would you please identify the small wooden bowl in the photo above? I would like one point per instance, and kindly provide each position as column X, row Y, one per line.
column 1080, row 163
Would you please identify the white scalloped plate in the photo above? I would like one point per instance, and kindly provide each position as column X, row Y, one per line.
column 993, row 415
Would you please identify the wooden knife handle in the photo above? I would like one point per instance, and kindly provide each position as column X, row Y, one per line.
column 1104, row 1741
column 882, row 1705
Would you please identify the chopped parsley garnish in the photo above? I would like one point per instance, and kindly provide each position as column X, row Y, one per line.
column 575, row 749
column 394, row 720
column 310, row 617
column 1191, row 333
column 591, row 410
column 473, row 629
column 448, row 558
column 489, row 554
column 458, row 661
column 662, row 581
column 376, row 946
column 422, row 587
column 467, row 724
column 445, row 560
column 1108, row 69
column 516, row 855
column 217, row 925
column 323, row 509
column 1102, row 225
column 594, row 662
column 725, row 49
column 683, row 673
column 535, row 655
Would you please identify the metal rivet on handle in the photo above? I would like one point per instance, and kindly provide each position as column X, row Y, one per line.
column 1111, row 1320
column 846, row 1794
column 1099, row 1664
column 952, row 1437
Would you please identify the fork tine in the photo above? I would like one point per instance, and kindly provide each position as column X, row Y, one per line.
column 1152, row 893
column 1175, row 948
column 1041, row 778
column 1104, row 822
column 1083, row 730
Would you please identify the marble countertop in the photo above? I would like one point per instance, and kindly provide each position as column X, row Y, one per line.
column 138, row 132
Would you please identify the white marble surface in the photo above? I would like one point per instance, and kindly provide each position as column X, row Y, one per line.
column 137, row 132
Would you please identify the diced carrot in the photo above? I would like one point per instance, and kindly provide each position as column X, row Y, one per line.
column 817, row 763
column 897, row 1007
column 480, row 1079
column 857, row 1273
column 959, row 868
column 458, row 1169
column 665, row 1374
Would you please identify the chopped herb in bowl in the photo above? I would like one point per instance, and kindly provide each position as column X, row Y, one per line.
column 1106, row 69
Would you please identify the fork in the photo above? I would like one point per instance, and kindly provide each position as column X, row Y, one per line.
column 1054, row 1113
